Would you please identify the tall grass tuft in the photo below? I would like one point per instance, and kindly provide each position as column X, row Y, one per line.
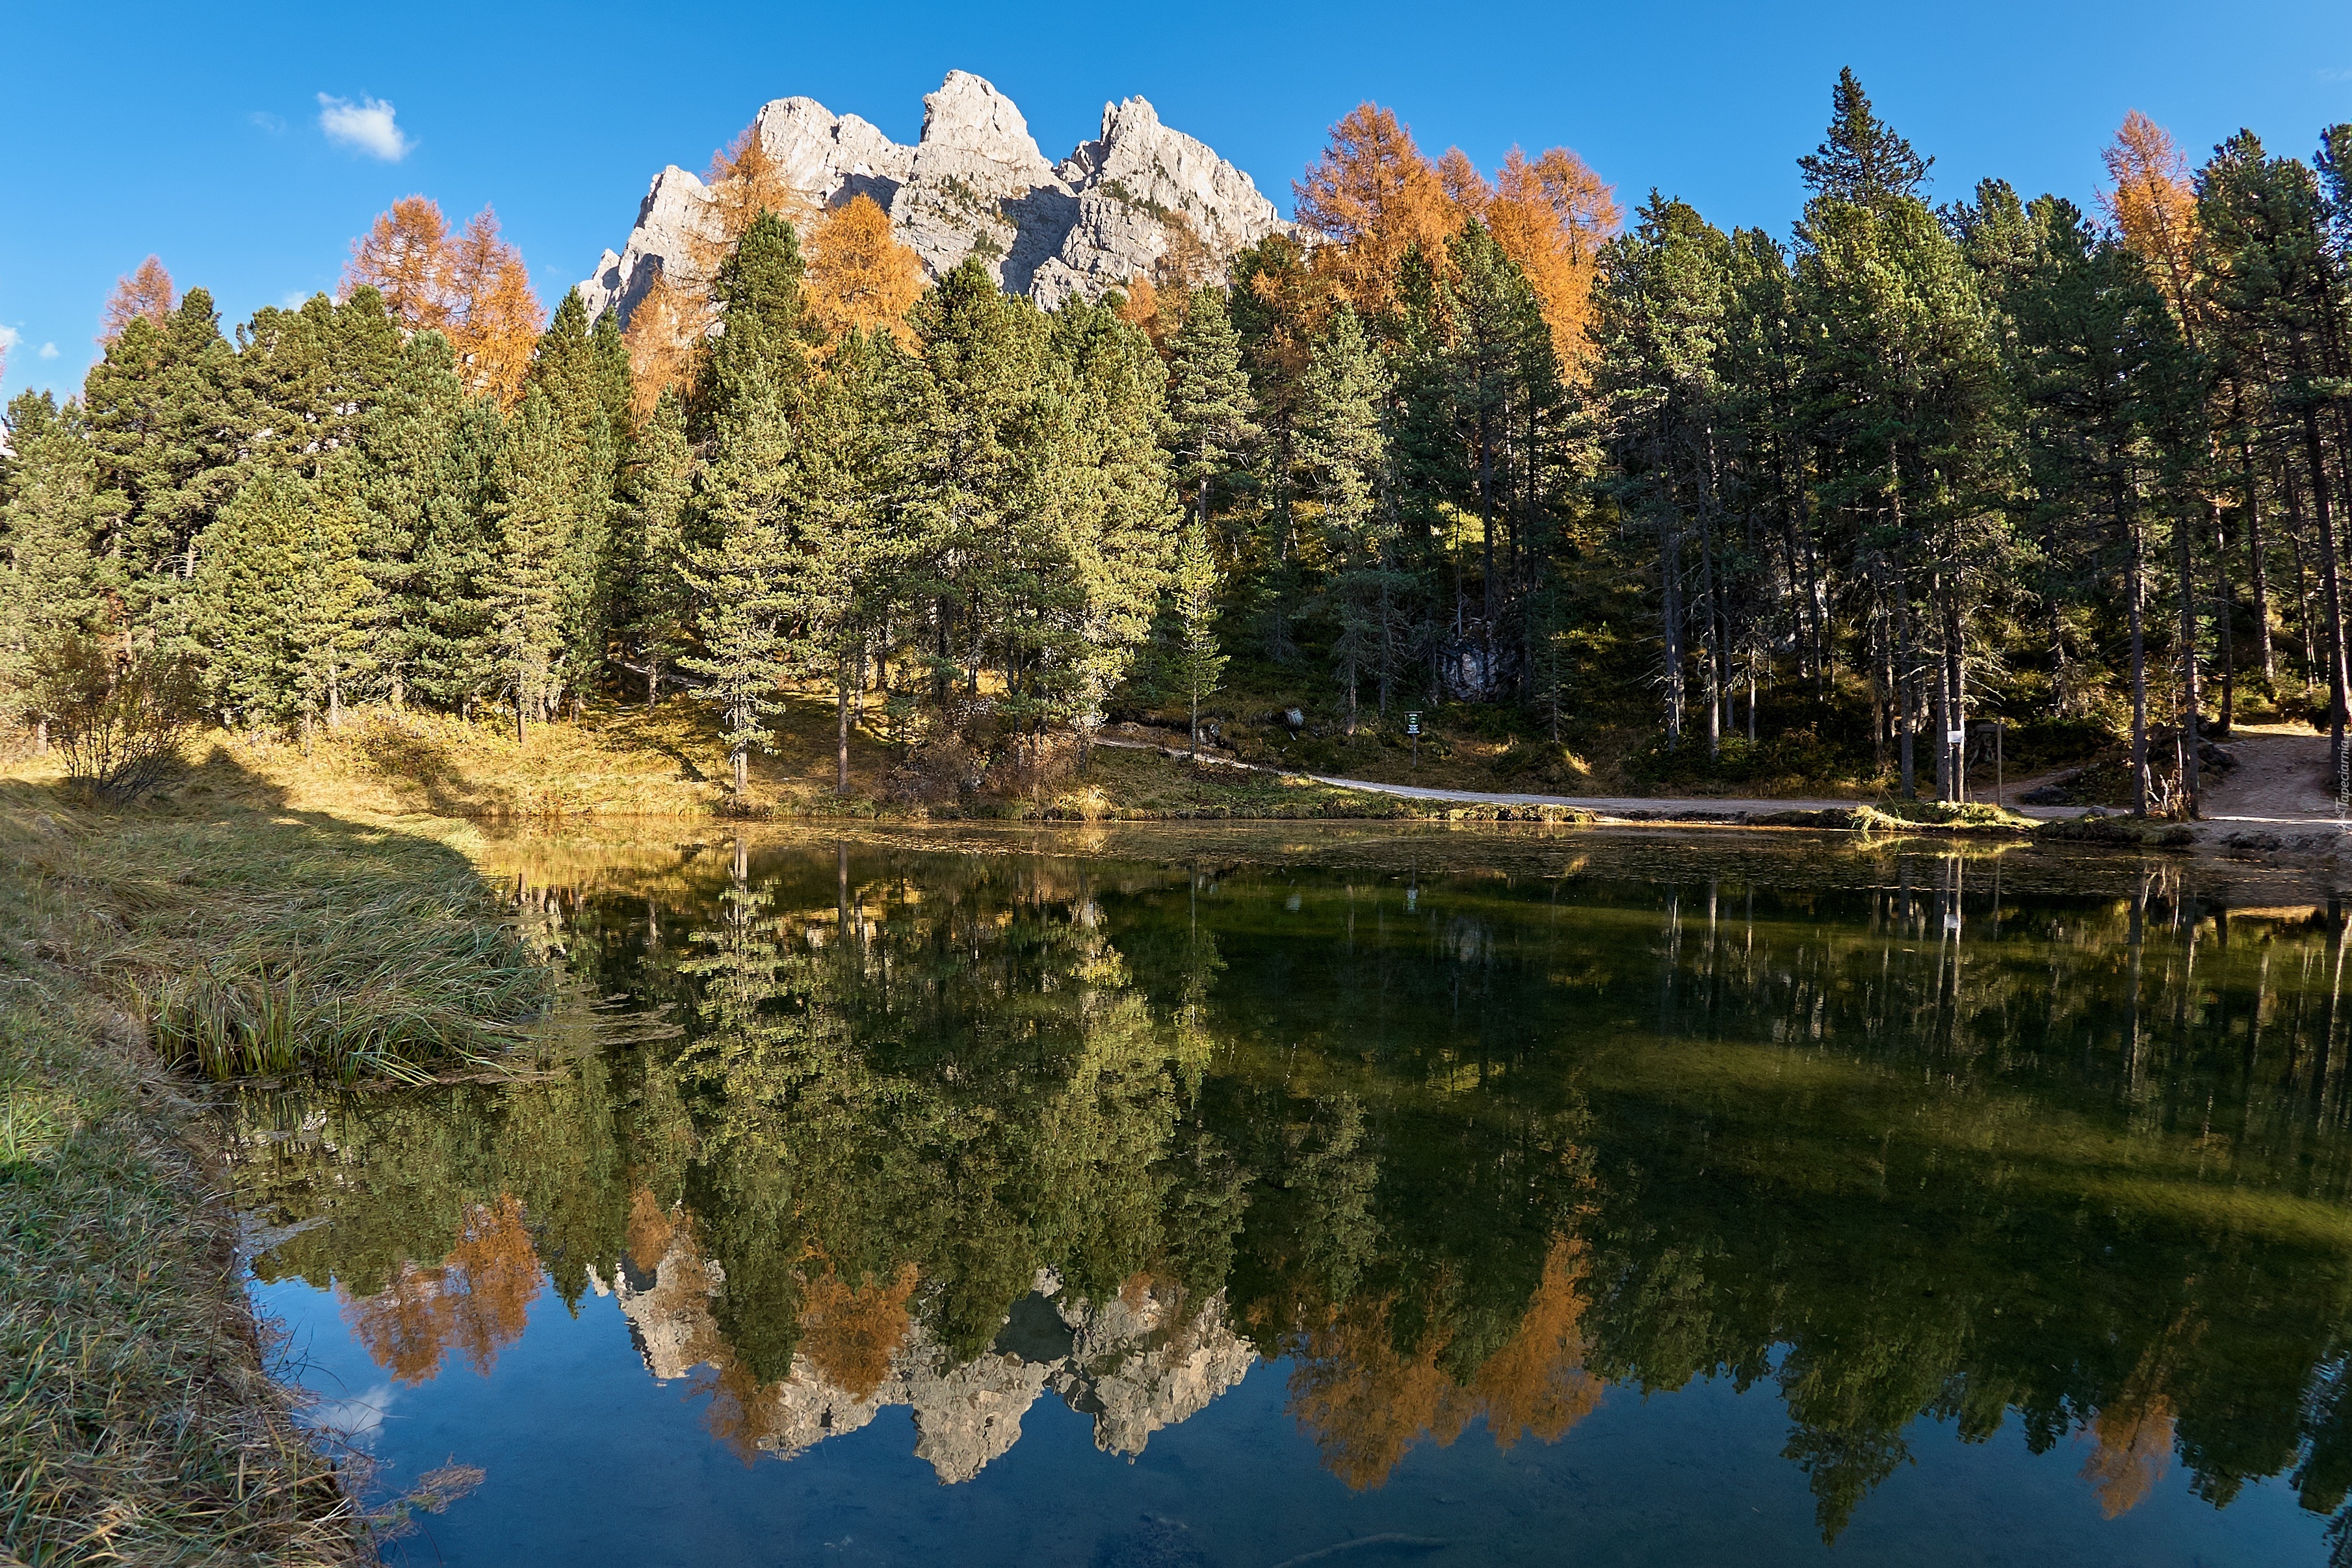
column 385, row 989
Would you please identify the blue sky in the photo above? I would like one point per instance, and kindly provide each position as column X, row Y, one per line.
column 196, row 133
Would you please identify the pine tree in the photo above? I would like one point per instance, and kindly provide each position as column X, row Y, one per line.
column 2111, row 396
column 1903, row 409
column 1659, row 318
column 842, row 548
column 410, row 442
column 1209, row 399
column 55, row 582
column 335, row 599
column 447, row 638
column 1344, row 454
column 1861, row 159
column 246, row 609
column 1118, row 544
column 742, row 500
column 1199, row 663
column 655, row 610
column 159, row 409
column 764, row 322
column 531, row 559
column 582, row 373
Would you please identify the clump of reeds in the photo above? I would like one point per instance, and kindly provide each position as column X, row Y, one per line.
column 384, row 989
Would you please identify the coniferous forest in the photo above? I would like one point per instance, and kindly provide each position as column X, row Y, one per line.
column 1815, row 504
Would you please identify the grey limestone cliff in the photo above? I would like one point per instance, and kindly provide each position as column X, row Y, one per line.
column 975, row 183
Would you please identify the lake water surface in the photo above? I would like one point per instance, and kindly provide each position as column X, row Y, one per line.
column 1154, row 1202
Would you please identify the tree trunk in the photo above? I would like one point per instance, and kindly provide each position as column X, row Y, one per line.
column 1671, row 584
column 2257, row 574
column 2331, row 595
column 841, row 738
column 653, row 682
column 2225, row 631
column 2133, row 591
column 2192, row 784
column 1956, row 684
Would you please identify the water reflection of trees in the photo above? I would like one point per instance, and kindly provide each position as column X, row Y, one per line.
column 1464, row 1150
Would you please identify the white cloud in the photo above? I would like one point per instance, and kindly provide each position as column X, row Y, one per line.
column 354, row 1420
column 266, row 121
column 49, row 351
column 9, row 337
column 364, row 127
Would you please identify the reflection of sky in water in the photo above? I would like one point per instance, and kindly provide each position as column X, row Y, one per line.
column 583, row 1450
column 1513, row 1182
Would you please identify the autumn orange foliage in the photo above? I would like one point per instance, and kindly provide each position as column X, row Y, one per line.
column 1371, row 198
column 649, row 1231
column 1551, row 216
column 146, row 294
column 745, row 181
column 2154, row 205
column 850, row 1332
column 1365, row 1404
column 474, row 1303
column 472, row 287
column 2135, row 1446
column 665, row 325
column 859, row 277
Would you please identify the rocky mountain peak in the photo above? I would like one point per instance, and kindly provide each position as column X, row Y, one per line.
column 975, row 183
column 968, row 120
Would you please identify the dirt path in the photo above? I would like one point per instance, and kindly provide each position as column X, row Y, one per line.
column 1639, row 807
column 2281, row 778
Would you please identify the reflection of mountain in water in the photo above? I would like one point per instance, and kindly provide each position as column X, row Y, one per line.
column 1136, row 1363
column 960, row 1133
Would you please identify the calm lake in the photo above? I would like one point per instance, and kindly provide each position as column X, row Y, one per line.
column 1385, row 1197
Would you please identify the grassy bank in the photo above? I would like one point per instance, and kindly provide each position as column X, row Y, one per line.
column 138, row 1423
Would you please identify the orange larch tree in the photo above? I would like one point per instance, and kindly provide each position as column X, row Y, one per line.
column 1465, row 188
column 2153, row 204
column 1371, row 197
column 146, row 292
column 494, row 318
column 859, row 277
column 665, row 325
column 1551, row 216
column 472, row 286
column 744, row 181
column 405, row 257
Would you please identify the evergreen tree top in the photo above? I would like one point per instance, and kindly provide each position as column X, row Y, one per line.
column 1861, row 159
